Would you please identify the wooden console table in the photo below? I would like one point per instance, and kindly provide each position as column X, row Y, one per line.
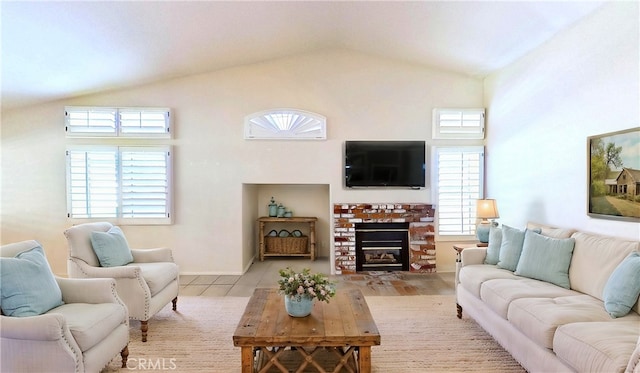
column 342, row 330
column 312, row 235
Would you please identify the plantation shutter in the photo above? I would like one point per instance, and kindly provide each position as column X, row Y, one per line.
column 460, row 183
column 458, row 123
column 129, row 184
column 83, row 121
column 145, row 184
column 147, row 122
column 117, row 122
column 92, row 182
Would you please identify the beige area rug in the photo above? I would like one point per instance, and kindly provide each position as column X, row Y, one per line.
column 419, row 334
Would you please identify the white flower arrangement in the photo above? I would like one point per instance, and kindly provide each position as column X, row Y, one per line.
column 305, row 283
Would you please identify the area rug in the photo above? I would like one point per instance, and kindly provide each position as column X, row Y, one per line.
column 419, row 334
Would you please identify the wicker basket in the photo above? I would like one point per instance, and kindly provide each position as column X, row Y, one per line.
column 286, row 245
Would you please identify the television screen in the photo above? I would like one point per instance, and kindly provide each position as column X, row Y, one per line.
column 384, row 164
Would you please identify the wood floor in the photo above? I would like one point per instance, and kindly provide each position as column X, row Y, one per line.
column 265, row 274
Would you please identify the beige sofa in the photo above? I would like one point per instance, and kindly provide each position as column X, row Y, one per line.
column 550, row 328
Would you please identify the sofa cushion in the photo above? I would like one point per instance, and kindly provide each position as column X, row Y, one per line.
column 111, row 247
column 550, row 231
column 623, row 287
column 594, row 259
column 157, row 275
column 91, row 323
column 493, row 248
column 473, row 276
column 498, row 294
column 545, row 258
column 510, row 248
column 597, row 346
column 27, row 285
column 538, row 318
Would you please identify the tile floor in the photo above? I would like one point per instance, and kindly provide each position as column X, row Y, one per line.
column 265, row 274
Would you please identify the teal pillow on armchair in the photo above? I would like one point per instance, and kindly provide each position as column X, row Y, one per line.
column 27, row 284
column 111, row 247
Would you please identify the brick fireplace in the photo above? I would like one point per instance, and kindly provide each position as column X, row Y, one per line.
column 422, row 248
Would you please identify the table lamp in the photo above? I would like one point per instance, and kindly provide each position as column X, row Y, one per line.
column 486, row 209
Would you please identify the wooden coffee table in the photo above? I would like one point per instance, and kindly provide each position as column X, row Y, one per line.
column 341, row 331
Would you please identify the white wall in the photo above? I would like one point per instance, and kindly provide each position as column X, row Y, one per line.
column 217, row 174
column 542, row 109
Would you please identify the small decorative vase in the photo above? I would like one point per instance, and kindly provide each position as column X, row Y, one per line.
column 281, row 211
column 298, row 305
column 273, row 208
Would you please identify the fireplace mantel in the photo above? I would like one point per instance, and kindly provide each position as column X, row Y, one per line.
column 421, row 232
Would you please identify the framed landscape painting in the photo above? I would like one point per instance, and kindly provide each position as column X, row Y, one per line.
column 614, row 175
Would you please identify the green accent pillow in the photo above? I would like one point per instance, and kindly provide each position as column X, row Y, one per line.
column 545, row 258
column 493, row 249
column 510, row 248
column 623, row 286
column 27, row 284
column 111, row 247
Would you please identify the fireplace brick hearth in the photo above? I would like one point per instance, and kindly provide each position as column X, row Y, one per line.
column 422, row 248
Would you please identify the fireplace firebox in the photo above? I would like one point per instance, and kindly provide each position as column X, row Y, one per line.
column 382, row 246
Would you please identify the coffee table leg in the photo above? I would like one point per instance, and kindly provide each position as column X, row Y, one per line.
column 247, row 359
column 364, row 359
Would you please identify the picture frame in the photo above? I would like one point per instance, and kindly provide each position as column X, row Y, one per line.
column 613, row 175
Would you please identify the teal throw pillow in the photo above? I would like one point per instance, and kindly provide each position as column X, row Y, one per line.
column 623, row 287
column 545, row 258
column 510, row 247
column 111, row 247
column 27, row 284
column 493, row 249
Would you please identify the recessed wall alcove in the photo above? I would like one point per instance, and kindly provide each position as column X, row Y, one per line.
column 301, row 199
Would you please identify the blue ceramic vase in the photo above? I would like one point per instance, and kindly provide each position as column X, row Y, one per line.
column 298, row 305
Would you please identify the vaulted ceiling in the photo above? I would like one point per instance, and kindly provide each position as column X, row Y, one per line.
column 57, row 49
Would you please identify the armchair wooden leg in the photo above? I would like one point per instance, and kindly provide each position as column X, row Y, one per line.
column 144, row 326
column 175, row 303
column 125, row 355
column 459, row 309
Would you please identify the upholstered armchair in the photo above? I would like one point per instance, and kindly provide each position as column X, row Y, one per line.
column 54, row 324
column 146, row 279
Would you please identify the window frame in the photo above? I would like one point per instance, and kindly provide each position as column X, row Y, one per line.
column 119, row 219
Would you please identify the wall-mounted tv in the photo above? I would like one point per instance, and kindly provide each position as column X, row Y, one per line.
column 398, row 164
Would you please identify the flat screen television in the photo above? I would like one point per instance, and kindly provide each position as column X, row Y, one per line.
column 398, row 164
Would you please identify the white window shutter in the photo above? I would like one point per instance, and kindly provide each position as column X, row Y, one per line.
column 458, row 123
column 145, row 122
column 127, row 185
column 459, row 185
column 85, row 121
column 92, row 183
column 290, row 124
column 95, row 122
column 145, row 183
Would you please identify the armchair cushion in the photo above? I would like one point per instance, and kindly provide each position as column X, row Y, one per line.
column 111, row 247
column 91, row 323
column 157, row 275
column 28, row 285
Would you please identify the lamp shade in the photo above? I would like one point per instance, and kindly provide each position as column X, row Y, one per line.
column 487, row 209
